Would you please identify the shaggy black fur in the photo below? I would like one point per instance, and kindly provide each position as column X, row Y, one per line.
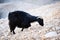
column 22, row 20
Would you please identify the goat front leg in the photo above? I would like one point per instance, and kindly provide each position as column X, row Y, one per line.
column 22, row 29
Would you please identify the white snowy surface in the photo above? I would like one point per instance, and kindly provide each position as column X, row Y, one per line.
column 5, row 8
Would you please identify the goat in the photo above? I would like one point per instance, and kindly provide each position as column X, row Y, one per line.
column 22, row 20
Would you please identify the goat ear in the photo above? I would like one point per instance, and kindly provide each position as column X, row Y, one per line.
column 39, row 17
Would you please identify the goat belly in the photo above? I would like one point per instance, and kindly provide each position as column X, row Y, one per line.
column 23, row 26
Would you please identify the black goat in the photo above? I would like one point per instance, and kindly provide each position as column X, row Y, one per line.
column 22, row 20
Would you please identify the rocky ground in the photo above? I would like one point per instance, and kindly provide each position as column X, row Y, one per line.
column 50, row 31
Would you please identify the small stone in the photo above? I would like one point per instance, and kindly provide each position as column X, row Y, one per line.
column 50, row 34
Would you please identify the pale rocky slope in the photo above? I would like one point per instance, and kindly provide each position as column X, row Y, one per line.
column 50, row 31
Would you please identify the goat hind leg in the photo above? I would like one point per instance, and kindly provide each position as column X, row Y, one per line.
column 12, row 28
